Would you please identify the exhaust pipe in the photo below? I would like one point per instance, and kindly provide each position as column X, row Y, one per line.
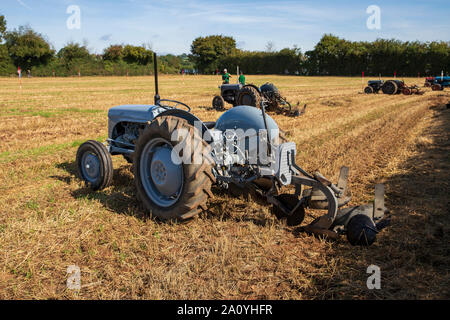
column 155, row 67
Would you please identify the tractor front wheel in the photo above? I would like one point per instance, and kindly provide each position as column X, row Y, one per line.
column 172, row 189
column 95, row 165
column 368, row 90
column 218, row 103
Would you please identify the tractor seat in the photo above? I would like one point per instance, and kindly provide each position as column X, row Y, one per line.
column 210, row 124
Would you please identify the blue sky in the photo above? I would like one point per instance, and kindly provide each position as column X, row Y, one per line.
column 171, row 25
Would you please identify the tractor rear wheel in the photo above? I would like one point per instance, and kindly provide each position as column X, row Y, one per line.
column 436, row 87
column 95, row 165
column 218, row 103
column 390, row 87
column 172, row 190
column 368, row 90
column 249, row 96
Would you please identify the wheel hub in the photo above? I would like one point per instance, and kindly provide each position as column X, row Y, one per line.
column 91, row 167
column 164, row 173
column 247, row 100
column 163, row 180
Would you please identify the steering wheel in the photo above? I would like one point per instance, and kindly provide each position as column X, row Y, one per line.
column 166, row 103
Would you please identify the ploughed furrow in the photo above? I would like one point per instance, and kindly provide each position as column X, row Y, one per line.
column 366, row 149
column 317, row 123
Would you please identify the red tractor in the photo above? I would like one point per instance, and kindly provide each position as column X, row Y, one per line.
column 429, row 81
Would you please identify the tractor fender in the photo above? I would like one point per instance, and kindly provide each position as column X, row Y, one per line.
column 189, row 117
column 253, row 86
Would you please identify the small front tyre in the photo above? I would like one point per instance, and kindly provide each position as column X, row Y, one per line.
column 368, row 90
column 218, row 103
column 95, row 165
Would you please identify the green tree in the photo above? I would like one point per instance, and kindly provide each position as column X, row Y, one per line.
column 113, row 53
column 6, row 64
column 206, row 51
column 28, row 48
column 139, row 55
column 2, row 27
column 73, row 51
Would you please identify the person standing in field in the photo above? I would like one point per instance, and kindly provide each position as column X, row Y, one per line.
column 226, row 77
column 242, row 79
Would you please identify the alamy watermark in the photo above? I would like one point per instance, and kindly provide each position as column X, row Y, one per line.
column 74, row 277
column 74, row 20
column 374, row 281
column 374, row 20
column 230, row 147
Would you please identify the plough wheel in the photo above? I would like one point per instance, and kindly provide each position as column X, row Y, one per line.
column 290, row 201
column 407, row 91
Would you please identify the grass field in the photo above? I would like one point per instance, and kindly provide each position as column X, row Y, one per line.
column 238, row 249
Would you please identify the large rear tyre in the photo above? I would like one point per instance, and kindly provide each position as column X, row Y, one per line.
column 170, row 190
column 249, row 96
column 436, row 87
column 94, row 165
column 389, row 87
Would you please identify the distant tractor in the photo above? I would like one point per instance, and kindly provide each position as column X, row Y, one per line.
column 391, row 87
column 251, row 95
column 373, row 86
column 387, row 87
column 440, row 83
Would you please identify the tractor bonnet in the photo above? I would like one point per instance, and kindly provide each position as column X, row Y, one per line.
column 269, row 87
column 244, row 117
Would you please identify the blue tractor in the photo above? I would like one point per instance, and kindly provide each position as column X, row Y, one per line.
column 440, row 83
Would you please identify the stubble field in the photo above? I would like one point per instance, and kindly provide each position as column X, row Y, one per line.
column 237, row 249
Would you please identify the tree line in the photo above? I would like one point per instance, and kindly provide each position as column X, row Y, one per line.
column 30, row 50
column 331, row 56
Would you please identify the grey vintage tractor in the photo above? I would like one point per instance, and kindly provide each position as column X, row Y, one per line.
column 177, row 158
column 391, row 87
column 252, row 95
column 387, row 87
